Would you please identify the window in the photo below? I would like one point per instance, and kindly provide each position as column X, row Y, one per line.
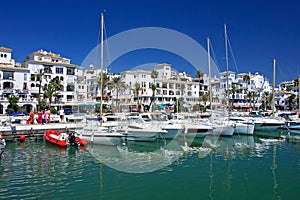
column 70, row 88
column 47, row 69
column 69, row 97
column 24, row 86
column 25, row 77
column 59, row 70
column 70, row 71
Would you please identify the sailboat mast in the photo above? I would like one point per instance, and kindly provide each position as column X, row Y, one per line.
column 209, row 75
column 273, row 88
column 226, row 57
column 101, row 64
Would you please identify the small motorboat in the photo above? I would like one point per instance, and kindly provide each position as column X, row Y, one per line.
column 63, row 139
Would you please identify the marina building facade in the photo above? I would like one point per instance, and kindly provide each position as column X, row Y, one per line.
column 153, row 89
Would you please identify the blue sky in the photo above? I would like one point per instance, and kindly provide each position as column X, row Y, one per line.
column 258, row 30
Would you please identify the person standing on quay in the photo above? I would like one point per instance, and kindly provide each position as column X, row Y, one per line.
column 30, row 120
column 40, row 117
column 47, row 116
column 62, row 115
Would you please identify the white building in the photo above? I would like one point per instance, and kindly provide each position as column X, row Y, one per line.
column 53, row 65
column 13, row 81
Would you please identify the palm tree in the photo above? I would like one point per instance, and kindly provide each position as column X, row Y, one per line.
column 39, row 78
column 291, row 101
column 153, row 88
column 12, row 106
column 199, row 75
column 118, row 84
column 182, row 88
column 136, row 89
column 205, row 98
column 105, row 79
column 266, row 99
column 52, row 89
column 246, row 78
column 233, row 91
column 49, row 91
column 154, row 74
column 251, row 96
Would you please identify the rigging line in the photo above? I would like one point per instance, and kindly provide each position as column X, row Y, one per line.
column 285, row 73
column 97, row 49
column 109, row 67
column 232, row 55
column 214, row 55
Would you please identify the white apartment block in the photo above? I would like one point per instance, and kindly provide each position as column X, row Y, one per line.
column 53, row 65
column 13, row 81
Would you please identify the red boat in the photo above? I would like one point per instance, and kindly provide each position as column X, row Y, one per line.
column 62, row 139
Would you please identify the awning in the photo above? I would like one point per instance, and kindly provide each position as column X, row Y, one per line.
column 85, row 104
column 162, row 105
column 186, row 105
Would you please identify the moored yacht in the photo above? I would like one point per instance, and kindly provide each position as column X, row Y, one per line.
column 139, row 130
column 93, row 133
column 243, row 126
column 267, row 124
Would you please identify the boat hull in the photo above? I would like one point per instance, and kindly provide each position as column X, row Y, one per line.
column 195, row 130
column 102, row 138
column 292, row 125
column 141, row 135
column 244, row 128
column 226, row 131
column 266, row 126
column 172, row 131
column 56, row 137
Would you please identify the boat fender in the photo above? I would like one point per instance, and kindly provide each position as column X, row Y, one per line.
column 22, row 138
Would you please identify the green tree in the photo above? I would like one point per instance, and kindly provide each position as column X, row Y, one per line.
column 12, row 104
column 52, row 89
column 136, row 89
column 118, row 84
column 205, row 98
column 266, row 100
column 154, row 75
column 246, row 78
column 251, row 97
column 104, row 80
column 199, row 75
column 232, row 91
column 153, row 88
column 181, row 100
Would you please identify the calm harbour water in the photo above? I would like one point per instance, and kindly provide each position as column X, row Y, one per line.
column 241, row 167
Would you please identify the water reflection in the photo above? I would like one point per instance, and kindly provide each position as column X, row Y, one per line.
column 240, row 167
column 137, row 157
column 29, row 167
